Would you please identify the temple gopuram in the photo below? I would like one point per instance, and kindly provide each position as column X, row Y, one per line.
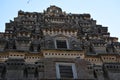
column 57, row 45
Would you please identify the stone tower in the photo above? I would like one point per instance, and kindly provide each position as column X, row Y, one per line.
column 54, row 44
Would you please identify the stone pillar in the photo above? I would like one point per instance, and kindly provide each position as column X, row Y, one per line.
column 31, row 71
column 2, row 67
column 40, row 69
